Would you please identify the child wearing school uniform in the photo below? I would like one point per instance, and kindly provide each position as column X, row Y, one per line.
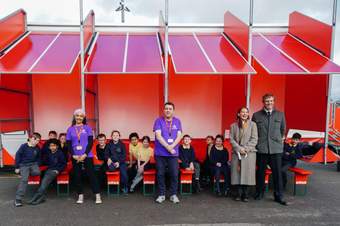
column 188, row 160
column 134, row 149
column 115, row 156
column 27, row 160
column 219, row 159
column 56, row 163
column 143, row 161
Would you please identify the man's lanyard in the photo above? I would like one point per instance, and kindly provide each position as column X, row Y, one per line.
column 169, row 127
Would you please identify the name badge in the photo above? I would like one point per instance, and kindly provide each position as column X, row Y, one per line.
column 79, row 147
column 170, row 140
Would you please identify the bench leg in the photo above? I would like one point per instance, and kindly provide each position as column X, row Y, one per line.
column 60, row 193
column 113, row 193
column 145, row 190
column 182, row 189
column 300, row 185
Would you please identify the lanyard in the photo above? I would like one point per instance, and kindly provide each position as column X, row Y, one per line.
column 169, row 127
column 78, row 132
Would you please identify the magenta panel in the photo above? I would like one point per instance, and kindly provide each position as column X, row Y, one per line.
column 143, row 54
column 187, row 55
column 308, row 58
column 61, row 56
column 272, row 59
column 24, row 54
column 223, row 55
column 107, row 55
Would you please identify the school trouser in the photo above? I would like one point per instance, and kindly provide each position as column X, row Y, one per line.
column 25, row 171
column 88, row 168
column 170, row 162
column 123, row 173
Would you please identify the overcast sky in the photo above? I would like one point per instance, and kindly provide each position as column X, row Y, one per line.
column 180, row 11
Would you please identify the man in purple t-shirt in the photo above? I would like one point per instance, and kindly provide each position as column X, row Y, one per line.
column 168, row 134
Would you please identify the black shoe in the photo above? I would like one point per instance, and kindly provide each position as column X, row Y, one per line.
column 227, row 193
column 259, row 196
column 39, row 200
column 18, row 203
column 245, row 199
column 280, row 201
column 237, row 198
column 197, row 186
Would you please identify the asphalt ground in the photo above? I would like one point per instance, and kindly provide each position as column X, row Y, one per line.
column 321, row 206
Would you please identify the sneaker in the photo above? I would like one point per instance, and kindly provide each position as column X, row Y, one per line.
column 125, row 191
column 160, row 199
column 39, row 200
column 80, row 199
column 174, row 199
column 18, row 203
column 98, row 199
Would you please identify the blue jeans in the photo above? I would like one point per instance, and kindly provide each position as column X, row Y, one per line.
column 25, row 171
column 224, row 170
column 123, row 173
column 162, row 164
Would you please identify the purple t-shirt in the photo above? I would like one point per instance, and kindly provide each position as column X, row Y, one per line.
column 167, row 134
column 84, row 132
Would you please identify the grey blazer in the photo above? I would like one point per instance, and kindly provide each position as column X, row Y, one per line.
column 270, row 130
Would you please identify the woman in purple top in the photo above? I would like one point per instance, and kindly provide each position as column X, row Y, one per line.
column 168, row 134
column 80, row 140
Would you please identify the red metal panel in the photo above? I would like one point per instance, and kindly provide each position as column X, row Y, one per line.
column 187, row 55
column 12, row 27
column 143, row 54
column 63, row 92
column 307, row 57
column 313, row 32
column 16, row 81
column 237, row 31
column 306, row 102
column 223, row 55
column 91, row 83
column 90, row 105
column 271, row 59
column 88, row 28
column 337, row 118
column 23, row 55
column 61, row 56
column 108, row 54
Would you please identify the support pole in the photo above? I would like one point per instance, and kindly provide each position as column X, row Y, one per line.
column 166, row 52
column 330, row 80
column 251, row 18
column 82, row 57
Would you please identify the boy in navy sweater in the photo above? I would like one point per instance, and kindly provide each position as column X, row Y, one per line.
column 27, row 160
column 188, row 160
column 115, row 155
column 292, row 151
column 56, row 163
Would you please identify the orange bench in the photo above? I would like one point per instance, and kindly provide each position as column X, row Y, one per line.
column 186, row 180
column 113, row 179
column 149, row 179
column 300, row 179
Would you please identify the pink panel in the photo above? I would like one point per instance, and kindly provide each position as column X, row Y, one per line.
column 307, row 57
column 237, row 31
column 272, row 59
column 187, row 55
column 23, row 55
column 223, row 55
column 143, row 54
column 314, row 32
column 61, row 56
column 108, row 54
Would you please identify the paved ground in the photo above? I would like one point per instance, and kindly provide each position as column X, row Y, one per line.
column 320, row 207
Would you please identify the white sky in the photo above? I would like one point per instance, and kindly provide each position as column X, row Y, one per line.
column 145, row 12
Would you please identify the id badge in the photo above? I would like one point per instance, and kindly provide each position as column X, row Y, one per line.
column 170, row 140
column 79, row 147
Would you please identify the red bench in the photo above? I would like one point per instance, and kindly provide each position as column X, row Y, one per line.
column 300, row 179
column 186, row 180
column 35, row 180
column 63, row 179
column 267, row 174
column 113, row 179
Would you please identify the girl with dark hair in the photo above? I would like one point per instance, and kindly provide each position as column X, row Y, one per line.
column 219, row 160
column 243, row 139
column 79, row 141
column 143, row 161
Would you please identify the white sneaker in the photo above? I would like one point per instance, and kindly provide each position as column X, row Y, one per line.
column 80, row 199
column 98, row 199
column 174, row 199
column 160, row 199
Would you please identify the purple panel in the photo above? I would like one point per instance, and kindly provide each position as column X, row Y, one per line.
column 223, row 55
column 143, row 54
column 272, row 59
column 308, row 58
column 187, row 55
column 24, row 54
column 108, row 54
column 61, row 56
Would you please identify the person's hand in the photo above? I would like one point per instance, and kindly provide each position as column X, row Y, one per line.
column 141, row 169
column 82, row 157
column 75, row 157
column 188, row 168
column 56, row 171
column 109, row 162
column 191, row 167
column 172, row 151
column 287, row 153
column 130, row 165
column 169, row 147
column 218, row 164
column 242, row 151
column 17, row 171
column 116, row 164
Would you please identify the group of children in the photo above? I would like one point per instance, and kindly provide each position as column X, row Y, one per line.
column 54, row 154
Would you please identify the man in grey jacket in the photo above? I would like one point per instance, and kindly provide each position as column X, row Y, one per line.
column 271, row 126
